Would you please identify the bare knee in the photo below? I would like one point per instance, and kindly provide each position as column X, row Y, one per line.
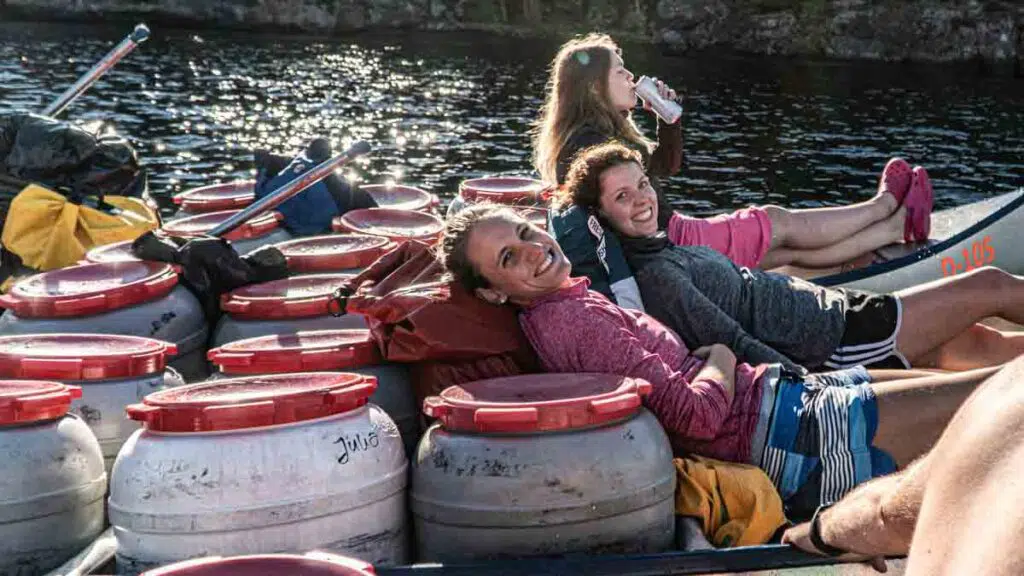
column 782, row 222
column 992, row 278
column 777, row 214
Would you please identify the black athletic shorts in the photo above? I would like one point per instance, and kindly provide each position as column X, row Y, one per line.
column 872, row 322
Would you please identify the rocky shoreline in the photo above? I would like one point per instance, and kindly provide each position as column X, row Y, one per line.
column 889, row 30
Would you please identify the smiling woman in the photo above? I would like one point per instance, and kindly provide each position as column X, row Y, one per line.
column 501, row 256
column 709, row 403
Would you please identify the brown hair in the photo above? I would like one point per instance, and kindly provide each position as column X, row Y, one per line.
column 577, row 95
column 583, row 183
column 453, row 250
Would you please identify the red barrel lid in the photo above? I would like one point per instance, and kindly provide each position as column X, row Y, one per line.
column 200, row 224
column 24, row 401
column 224, row 196
column 303, row 352
column 502, row 190
column 252, row 401
column 396, row 225
column 295, row 297
column 116, row 252
column 81, row 356
column 89, row 289
column 399, row 197
column 537, row 402
column 312, row 564
column 333, row 252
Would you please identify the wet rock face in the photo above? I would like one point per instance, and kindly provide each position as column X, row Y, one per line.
column 888, row 30
column 875, row 29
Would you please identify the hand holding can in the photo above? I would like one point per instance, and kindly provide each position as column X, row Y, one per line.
column 659, row 98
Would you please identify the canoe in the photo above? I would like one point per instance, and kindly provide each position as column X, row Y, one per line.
column 984, row 233
column 772, row 560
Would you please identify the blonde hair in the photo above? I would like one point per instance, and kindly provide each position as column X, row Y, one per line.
column 577, row 95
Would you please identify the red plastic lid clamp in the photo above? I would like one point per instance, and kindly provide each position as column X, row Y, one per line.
column 537, row 403
column 252, row 402
column 26, row 401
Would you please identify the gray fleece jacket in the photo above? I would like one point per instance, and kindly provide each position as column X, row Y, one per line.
column 762, row 316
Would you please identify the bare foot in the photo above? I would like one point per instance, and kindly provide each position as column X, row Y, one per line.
column 886, row 201
column 896, row 224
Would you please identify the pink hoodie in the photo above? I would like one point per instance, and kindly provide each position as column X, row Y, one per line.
column 576, row 330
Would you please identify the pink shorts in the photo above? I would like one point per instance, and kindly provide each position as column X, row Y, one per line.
column 743, row 236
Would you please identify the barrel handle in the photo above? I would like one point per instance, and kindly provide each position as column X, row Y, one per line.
column 436, row 407
column 9, row 301
column 41, row 367
column 507, row 419
column 83, row 306
column 643, row 387
column 363, row 390
column 615, row 404
column 142, row 412
column 47, row 400
column 217, row 416
column 229, row 305
column 218, row 356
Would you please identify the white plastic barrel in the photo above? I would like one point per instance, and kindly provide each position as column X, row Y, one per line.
column 113, row 372
column 540, row 465
column 256, row 233
column 401, row 197
column 508, row 190
column 52, row 481
column 310, row 564
column 266, row 464
column 127, row 298
column 333, row 252
column 396, row 225
column 328, row 350
column 286, row 306
column 214, row 198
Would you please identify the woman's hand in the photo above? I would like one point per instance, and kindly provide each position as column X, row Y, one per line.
column 722, row 353
column 719, row 366
column 799, row 536
column 663, row 90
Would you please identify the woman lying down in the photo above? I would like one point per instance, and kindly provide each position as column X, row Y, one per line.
column 816, row 436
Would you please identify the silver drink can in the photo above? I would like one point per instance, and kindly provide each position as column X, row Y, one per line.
column 668, row 110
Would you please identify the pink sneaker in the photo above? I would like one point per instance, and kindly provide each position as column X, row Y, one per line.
column 895, row 179
column 919, row 201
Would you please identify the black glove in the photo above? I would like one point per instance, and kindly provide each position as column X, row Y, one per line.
column 210, row 267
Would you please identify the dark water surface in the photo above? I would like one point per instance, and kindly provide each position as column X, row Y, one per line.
column 442, row 107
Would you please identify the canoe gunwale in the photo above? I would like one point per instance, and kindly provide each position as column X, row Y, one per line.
column 924, row 252
column 724, row 561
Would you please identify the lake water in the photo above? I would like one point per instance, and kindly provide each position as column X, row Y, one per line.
column 441, row 107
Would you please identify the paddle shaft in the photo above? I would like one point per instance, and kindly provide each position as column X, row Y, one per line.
column 137, row 36
column 298, row 184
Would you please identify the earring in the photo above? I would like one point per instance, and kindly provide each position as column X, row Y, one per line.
column 502, row 299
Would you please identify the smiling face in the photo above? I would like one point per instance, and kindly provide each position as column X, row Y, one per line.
column 628, row 201
column 520, row 261
column 621, row 89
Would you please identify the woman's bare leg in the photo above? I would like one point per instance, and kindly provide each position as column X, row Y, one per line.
column 937, row 313
column 820, row 227
column 976, row 347
column 876, row 235
column 889, row 374
column 912, row 413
